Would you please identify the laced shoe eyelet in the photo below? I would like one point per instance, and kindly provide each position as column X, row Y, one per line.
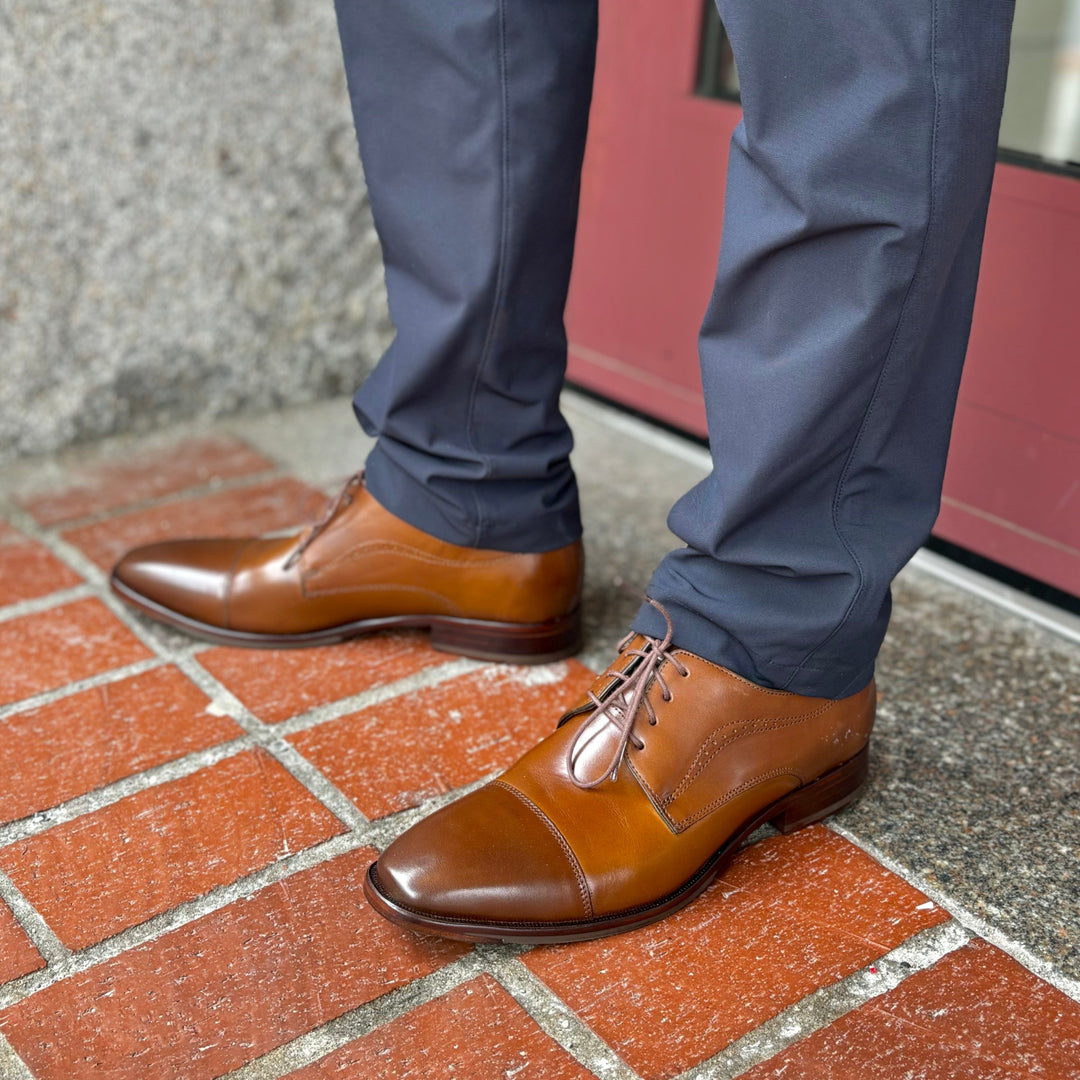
column 652, row 723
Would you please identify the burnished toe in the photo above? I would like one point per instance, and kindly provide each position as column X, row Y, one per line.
column 187, row 577
column 491, row 855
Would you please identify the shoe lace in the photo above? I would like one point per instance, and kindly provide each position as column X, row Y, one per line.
column 625, row 698
column 344, row 498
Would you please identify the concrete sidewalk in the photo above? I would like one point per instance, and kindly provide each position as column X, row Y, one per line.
column 183, row 828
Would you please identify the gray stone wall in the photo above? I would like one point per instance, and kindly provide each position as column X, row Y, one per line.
column 184, row 227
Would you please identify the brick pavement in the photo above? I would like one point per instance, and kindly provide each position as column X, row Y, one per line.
column 184, row 830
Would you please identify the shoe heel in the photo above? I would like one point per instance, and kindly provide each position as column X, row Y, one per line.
column 509, row 643
column 824, row 796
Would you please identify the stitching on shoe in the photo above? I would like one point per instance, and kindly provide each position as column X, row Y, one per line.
column 653, row 797
column 571, row 858
column 229, row 581
column 751, row 727
column 394, row 547
column 454, row 610
column 705, row 811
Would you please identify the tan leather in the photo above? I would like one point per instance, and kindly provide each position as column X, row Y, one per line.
column 364, row 564
column 536, row 846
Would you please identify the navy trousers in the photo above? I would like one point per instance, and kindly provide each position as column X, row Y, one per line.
column 832, row 347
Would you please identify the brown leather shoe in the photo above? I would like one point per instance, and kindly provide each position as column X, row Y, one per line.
column 631, row 808
column 360, row 569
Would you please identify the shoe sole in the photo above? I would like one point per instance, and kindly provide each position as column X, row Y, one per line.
column 805, row 806
column 509, row 643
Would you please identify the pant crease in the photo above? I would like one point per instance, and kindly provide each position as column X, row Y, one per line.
column 889, row 357
column 500, row 273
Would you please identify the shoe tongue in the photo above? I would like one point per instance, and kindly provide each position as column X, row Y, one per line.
column 339, row 530
column 637, row 642
column 606, row 680
column 622, row 662
column 625, row 662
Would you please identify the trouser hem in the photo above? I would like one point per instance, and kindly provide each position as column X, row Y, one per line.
column 706, row 639
column 446, row 514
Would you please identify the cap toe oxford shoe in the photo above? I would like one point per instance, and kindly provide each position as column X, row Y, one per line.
column 360, row 569
column 630, row 809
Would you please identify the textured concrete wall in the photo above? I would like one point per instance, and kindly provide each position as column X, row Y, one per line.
column 183, row 222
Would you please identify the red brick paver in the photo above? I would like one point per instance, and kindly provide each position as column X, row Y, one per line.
column 823, row 880
column 975, row 1015
column 97, row 875
column 29, row 570
column 227, row 988
column 109, row 485
column 476, row 1032
column 396, row 754
column 278, row 683
column 17, row 955
column 259, row 508
column 97, row 736
column 64, row 644
column 793, row 914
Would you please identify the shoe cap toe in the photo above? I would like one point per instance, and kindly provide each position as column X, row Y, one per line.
column 187, row 577
column 490, row 856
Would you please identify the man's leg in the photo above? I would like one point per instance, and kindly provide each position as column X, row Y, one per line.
column 471, row 118
column 832, row 348
column 831, row 356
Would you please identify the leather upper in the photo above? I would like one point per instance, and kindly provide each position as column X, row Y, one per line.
column 535, row 845
column 363, row 563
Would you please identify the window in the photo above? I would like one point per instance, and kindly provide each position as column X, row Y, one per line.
column 717, row 76
column 1041, row 120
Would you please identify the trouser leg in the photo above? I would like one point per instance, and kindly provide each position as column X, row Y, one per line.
column 471, row 119
column 833, row 343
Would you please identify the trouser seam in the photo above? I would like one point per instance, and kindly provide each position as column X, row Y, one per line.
column 500, row 272
column 889, row 357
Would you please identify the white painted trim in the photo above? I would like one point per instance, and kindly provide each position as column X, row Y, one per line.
column 1004, row 596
